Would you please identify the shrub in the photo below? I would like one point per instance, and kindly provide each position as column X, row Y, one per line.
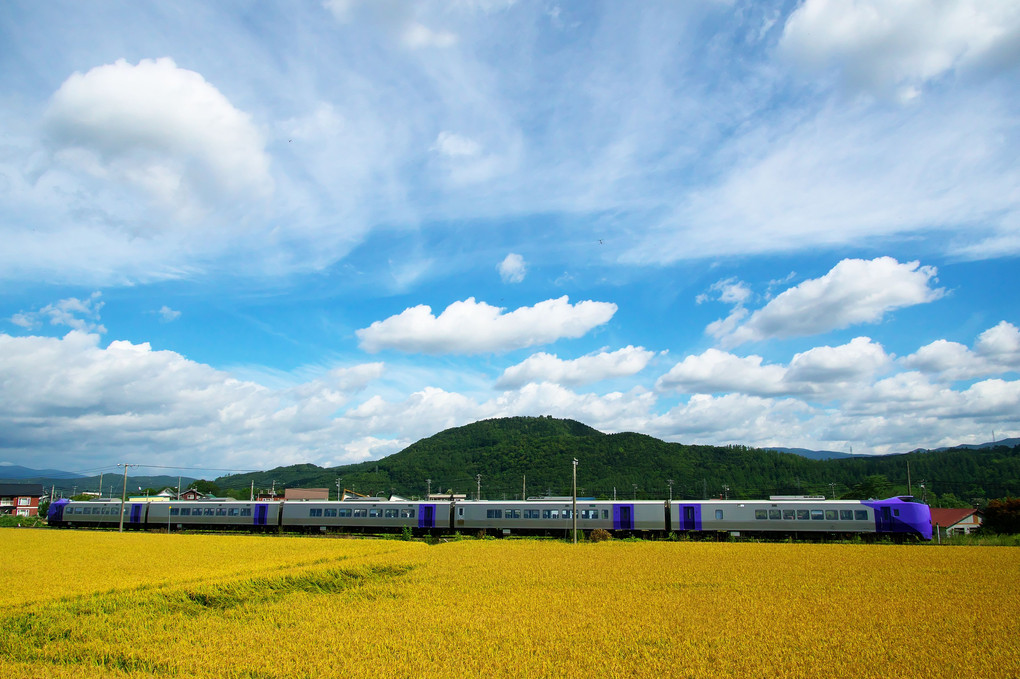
column 600, row 535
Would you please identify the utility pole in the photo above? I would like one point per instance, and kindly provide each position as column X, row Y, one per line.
column 670, row 491
column 100, row 485
column 339, row 495
column 123, row 494
column 478, row 493
column 524, row 487
column 573, row 505
column 251, row 494
column 908, row 478
column 635, row 490
column 428, row 489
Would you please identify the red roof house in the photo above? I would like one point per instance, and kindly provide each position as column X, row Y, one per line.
column 956, row 520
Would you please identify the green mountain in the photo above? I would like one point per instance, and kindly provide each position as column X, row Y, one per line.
column 532, row 456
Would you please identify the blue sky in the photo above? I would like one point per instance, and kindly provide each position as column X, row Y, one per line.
column 241, row 235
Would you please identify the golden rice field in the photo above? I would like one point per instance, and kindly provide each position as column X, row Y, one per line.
column 94, row 604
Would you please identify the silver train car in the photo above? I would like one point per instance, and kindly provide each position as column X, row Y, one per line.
column 896, row 517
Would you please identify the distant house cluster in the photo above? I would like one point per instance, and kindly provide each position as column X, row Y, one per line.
column 20, row 499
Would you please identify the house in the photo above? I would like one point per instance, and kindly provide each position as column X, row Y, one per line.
column 306, row 494
column 956, row 520
column 192, row 494
column 20, row 498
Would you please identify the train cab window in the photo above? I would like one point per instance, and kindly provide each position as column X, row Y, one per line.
column 374, row 513
column 494, row 513
column 788, row 515
column 346, row 513
column 774, row 514
column 861, row 514
column 896, row 512
column 329, row 512
column 719, row 514
column 246, row 511
column 817, row 515
column 846, row 515
column 360, row 513
column 803, row 515
column 314, row 512
column 761, row 514
column 234, row 511
column 174, row 511
column 831, row 514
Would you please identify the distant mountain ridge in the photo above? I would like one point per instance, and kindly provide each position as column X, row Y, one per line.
column 527, row 456
column 13, row 471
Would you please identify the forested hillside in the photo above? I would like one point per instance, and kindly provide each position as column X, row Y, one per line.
column 533, row 456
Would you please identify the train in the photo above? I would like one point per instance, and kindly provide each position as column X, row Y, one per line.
column 896, row 517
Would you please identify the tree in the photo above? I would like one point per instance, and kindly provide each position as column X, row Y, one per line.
column 206, row 487
column 1002, row 516
column 875, row 486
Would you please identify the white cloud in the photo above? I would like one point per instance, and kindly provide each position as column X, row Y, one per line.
column 512, row 269
column 168, row 315
column 471, row 327
column 455, row 145
column 79, row 314
column 899, row 47
column 727, row 291
column 855, row 291
column 160, row 128
column 996, row 350
column 816, row 372
column 417, row 36
column 543, row 367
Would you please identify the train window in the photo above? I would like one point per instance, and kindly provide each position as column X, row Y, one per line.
column 314, row 512
column 774, row 514
column 566, row 513
column 831, row 514
column 817, row 515
column 407, row 513
column 360, row 513
column 391, row 513
column 494, row 513
column 374, row 513
column 234, row 511
column 460, row 511
column 531, row 514
column 329, row 512
column 861, row 514
column 209, row 512
column 803, row 515
column 788, row 515
column 846, row 515
column 513, row 514
column 221, row 511
column 896, row 512
column 605, row 513
column 719, row 514
column 246, row 511
column 174, row 511
column 344, row 512
column 761, row 514
column 554, row 514
column 546, row 514
column 186, row 511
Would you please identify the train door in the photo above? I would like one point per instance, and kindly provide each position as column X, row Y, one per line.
column 136, row 514
column 690, row 517
column 261, row 514
column 883, row 520
column 426, row 516
column 623, row 517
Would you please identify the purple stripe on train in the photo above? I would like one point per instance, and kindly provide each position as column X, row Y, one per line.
column 426, row 516
column 690, row 517
column 623, row 517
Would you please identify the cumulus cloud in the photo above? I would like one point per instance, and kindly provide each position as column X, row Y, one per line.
column 855, row 291
column 898, row 47
column 160, row 128
column 512, row 269
column 996, row 350
column 80, row 314
column 471, row 327
column 543, row 367
column 168, row 315
column 820, row 370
